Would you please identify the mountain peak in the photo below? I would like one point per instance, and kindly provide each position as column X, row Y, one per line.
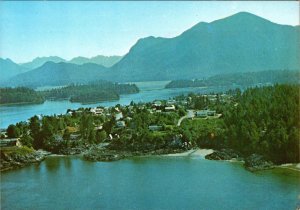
column 242, row 17
column 244, row 14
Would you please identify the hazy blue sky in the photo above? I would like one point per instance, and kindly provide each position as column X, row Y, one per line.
column 69, row 29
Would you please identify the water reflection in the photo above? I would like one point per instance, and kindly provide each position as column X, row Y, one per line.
column 148, row 182
column 53, row 163
column 67, row 163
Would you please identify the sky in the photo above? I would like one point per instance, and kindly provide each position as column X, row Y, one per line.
column 70, row 29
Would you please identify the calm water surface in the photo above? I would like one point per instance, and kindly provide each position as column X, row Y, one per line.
column 149, row 91
column 147, row 183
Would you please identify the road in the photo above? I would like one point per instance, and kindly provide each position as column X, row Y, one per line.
column 190, row 114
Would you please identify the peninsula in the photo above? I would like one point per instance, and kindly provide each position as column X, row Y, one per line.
column 229, row 123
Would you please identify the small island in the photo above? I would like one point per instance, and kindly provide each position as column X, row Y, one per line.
column 93, row 92
column 20, row 95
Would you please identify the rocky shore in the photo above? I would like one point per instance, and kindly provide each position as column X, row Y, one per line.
column 101, row 154
column 20, row 157
column 257, row 162
column 72, row 151
column 224, row 154
column 252, row 163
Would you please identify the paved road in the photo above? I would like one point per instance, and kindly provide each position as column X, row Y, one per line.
column 190, row 114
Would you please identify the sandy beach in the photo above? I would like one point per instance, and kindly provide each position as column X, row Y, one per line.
column 291, row 166
column 192, row 152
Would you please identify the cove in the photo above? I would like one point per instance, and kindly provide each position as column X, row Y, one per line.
column 147, row 183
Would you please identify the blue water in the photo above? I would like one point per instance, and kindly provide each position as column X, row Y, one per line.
column 149, row 91
column 147, row 183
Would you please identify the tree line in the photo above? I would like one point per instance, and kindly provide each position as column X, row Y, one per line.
column 241, row 79
column 20, row 95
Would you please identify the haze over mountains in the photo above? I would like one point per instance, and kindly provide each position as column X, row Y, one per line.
column 240, row 43
column 55, row 74
column 9, row 69
column 106, row 61
column 39, row 61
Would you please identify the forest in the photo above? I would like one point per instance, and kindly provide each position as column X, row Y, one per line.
column 92, row 92
column 241, row 79
column 20, row 95
column 261, row 120
column 265, row 121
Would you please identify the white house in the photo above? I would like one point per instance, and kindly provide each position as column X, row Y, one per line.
column 118, row 116
column 96, row 111
column 157, row 103
column 170, row 108
column 171, row 102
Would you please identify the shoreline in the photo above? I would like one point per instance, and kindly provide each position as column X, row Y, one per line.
column 21, row 103
column 290, row 166
column 103, row 155
column 192, row 152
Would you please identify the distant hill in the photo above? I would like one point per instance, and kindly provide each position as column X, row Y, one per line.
column 9, row 69
column 244, row 79
column 240, row 43
column 39, row 61
column 106, row 61
column 55, row 74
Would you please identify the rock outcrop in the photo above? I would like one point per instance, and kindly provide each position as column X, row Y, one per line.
column 257, row 162
column 224, row 154
column 19, row 158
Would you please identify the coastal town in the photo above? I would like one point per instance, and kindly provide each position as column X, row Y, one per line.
column 124, row 114
column 176, row 125
column 100, row 133
column 224, row 122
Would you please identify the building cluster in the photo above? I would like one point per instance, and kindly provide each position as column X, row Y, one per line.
column 124, row 114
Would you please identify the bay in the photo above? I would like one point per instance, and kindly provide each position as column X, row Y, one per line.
column 147, row 183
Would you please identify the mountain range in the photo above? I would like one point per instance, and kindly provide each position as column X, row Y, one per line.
column 106, row 61
column 39, row 61
column 56, row 74
column 9, row 69
column 239, row 43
